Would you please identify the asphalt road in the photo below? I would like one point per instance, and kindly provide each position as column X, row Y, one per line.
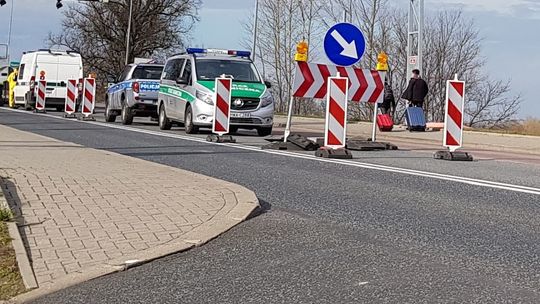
column 331, row 232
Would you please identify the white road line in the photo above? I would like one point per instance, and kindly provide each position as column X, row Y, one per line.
column 439, row 176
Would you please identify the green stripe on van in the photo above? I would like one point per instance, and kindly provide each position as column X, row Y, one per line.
column 239, row 89
column 176, row 92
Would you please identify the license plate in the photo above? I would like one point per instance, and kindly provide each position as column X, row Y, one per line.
column 240, row 115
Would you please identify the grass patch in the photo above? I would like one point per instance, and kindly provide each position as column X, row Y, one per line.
column 11, row 283
column 527, row 127
column 5, row 215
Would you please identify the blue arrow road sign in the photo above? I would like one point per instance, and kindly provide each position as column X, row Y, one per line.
column 344, row 44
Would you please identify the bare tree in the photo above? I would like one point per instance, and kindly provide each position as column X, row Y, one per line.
column 283, row 23
column 490, row 104
column 452, row 45
column 98, row 31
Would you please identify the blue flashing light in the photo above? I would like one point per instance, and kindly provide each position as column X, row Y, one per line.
column 219, row 51
column 196, row 51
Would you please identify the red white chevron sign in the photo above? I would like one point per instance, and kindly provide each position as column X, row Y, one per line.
column 89, row 96
column 71, row 96
column 453, row 123
column 40, row 97
column 311, row 81
column 222, row 106
column 336, row 113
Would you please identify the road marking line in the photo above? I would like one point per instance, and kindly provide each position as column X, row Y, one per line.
column 439, row 176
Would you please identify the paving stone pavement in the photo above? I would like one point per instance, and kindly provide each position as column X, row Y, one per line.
column 78, row 207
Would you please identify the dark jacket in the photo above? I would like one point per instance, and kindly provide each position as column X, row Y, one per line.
column 417, row 90
column 389, row 100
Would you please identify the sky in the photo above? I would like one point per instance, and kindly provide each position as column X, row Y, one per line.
column 510, row 30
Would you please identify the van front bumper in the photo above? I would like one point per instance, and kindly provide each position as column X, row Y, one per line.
column 261, row 117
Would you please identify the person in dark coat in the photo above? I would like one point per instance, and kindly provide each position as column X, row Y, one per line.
column 416, row 91
column 389, row 101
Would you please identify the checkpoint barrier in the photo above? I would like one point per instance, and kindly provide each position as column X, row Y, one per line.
column 311, row 81
column 40, row 96
column 71, row 99
column 453, row 122
column 89, row 98
column 222, row 111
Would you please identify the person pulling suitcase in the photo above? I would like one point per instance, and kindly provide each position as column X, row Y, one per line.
column 415, row 94
column 416, row 91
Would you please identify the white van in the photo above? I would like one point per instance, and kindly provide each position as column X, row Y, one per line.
column 56, row 67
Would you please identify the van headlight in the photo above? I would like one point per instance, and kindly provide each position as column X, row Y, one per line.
column 205, row 97
column 267, row 99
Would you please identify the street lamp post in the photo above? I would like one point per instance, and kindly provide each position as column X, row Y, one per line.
column 9, row 32
column 129, row 30
column 254, row 49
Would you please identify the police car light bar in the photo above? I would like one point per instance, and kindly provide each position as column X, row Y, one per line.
column 218, row 51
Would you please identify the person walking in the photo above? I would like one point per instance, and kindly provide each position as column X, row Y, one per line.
column 389, row 101
column 416, row 91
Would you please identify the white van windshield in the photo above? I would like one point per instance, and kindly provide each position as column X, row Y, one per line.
column 242, row 71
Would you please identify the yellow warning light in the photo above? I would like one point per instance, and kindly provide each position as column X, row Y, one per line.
column 92, row 75
column 382, row 62
column 301, row 51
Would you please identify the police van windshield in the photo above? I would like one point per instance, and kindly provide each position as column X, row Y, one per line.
column 147, row 72
column 210, row 69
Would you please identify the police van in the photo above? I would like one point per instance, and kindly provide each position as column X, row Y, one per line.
column 134, row 94
column 186, row 94
column 55, row 67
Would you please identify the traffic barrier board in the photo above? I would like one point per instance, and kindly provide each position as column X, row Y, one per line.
column 311, row 81
column 336, row 113
column 453, row 123
column 71, row 96
column 89, row 96
column 222, row 106
column 40, row 96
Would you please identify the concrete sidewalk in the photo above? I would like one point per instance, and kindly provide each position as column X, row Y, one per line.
column 84, row 212
column 522, row 144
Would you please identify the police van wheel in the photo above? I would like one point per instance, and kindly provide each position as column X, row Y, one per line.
column 109, row 116
column 188, row 122
column 164, row 122
column 127, row 116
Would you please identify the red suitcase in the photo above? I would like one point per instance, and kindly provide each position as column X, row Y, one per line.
column 385, row 122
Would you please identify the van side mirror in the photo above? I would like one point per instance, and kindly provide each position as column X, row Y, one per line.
column 268, row 84
column 110, row 84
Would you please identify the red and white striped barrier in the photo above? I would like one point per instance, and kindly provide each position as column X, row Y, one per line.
column 365, row 85
column 336, row 112
column 71, row 96
column 453, row 123
column 40, row 96
column 222, row 106
column 89, row 96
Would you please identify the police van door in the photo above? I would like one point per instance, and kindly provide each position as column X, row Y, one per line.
column 185, row 83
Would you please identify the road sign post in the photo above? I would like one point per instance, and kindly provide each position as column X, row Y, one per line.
column 453, row 122
column 40, row 96
column 222, row 111
column 71, row 99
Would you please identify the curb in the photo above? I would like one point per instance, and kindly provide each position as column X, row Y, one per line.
column 23, row 262
column 240, row 203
